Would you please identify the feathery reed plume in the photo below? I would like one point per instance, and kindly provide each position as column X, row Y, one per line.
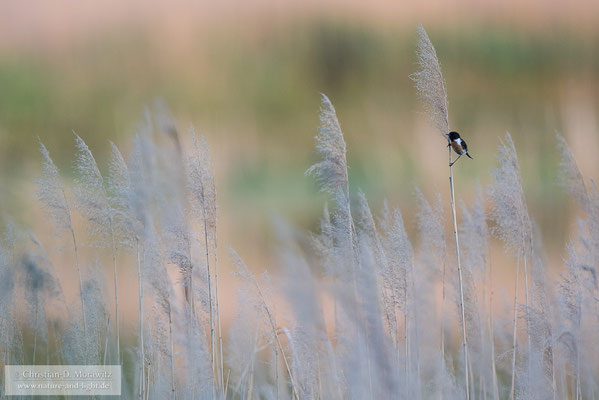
column 93, row 201
column 8, row 318
column 163, row 296
column 384, row 275
column 399, row 252
column 241, row 349
column 513, row 224
column 370, row 369
column 39, row 285
column 433, row 251
column 572, row 299
column 579, row 288
column 430, row 84
column 431, row 88
column 331, row 172
column 198, row 379
column 94, row 290
column 166, row 123
column 265, row 311
column 310, row 347
column 371, row 287
column 570, row 176
column 90, row 194
column 509, row 209
column 540, row 329
column 200, row 182
column 474, row 227
column 477, row 269
column 125, row 225
column 338, row 237
column 51, row 193
column 324, row 244
column 139, row 196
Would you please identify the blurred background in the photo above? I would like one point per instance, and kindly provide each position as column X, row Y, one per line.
column 247, row 75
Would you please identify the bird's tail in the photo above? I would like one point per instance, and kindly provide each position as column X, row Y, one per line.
column 470, row 157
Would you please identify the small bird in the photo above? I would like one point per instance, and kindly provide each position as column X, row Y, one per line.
column 458, row 145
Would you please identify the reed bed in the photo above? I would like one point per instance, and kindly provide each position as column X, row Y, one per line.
column 154, row 214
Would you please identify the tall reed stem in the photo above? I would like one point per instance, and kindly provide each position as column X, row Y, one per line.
column 106, row 337
column 407, row 357
column 141, row 325
column 457, row 253
column 211, row 314
column 492, row 336
column 172, row 355
column 218, row 326
column 443, row 317
column 76, row 250
column 528, row 341
column 515, row 327
column 275, row 332
column 116, row 297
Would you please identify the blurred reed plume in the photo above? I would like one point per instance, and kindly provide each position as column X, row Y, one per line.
column 430, row 84
column 431, row 87
column 358, row 310
column 512, row 222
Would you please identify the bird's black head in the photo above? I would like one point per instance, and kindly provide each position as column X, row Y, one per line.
column 453, row 135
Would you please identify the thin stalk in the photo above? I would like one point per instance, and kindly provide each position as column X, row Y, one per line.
column 276, row 335
column 34, row 337
column 443, row 318
column 170, row 331
column 577, row 341
column 413, row 338
column 368, row 357
column 333, row 358
column 492, row 336
column 472, row 382
column 318, row 377
column 252, row 368
column 148, row 383
column 482, row 376
column 220, row 335
column 578, row 390
column 189, row 286
column 79, row 275
column 5, row 351
column 515, row 327
column 227, row 383
column 116, row 297
column 553, row 380
column 141, row 325
column 76, row 250
column 482, row 388
column 457, row 252
column 191, row 325
column 407, row 355
column 277, row 373
column 406, row 338
column 107, row 335
column 212, row 342
column 528, row 341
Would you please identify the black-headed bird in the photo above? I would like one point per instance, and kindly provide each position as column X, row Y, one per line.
column 458, row 145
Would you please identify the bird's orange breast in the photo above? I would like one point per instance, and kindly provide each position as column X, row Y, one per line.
column 457, row 147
